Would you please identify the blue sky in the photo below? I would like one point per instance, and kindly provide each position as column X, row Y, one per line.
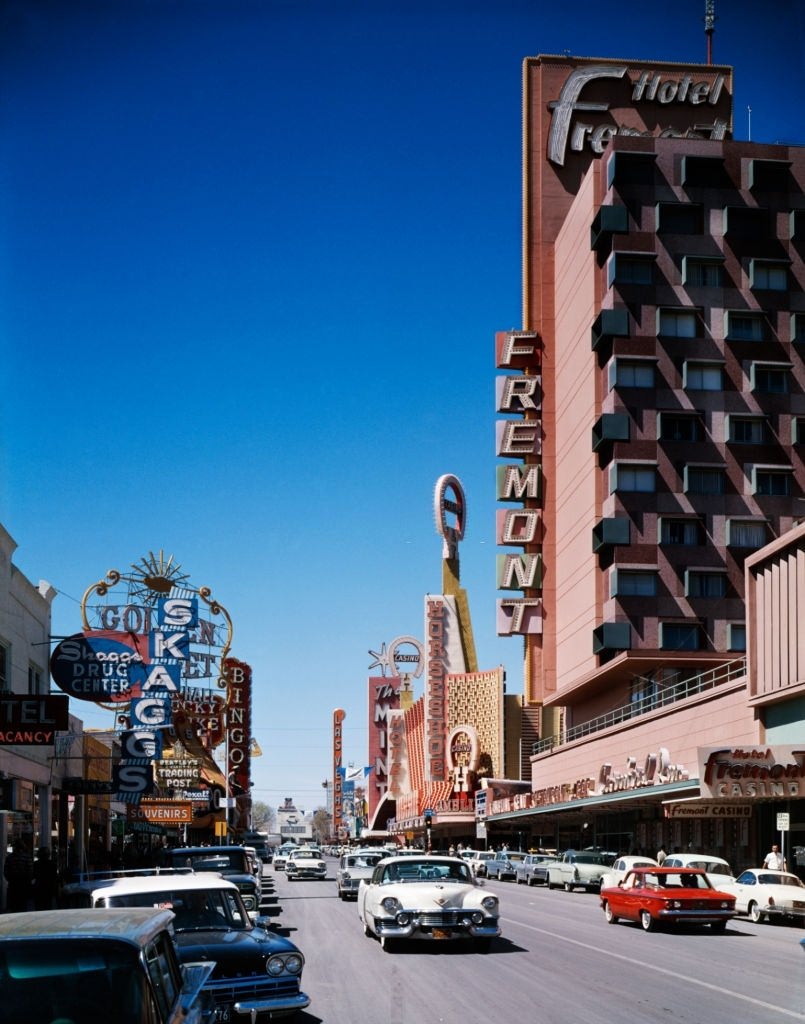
column 252, row 259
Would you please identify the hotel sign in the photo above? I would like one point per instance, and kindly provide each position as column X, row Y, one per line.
column 691, row 95
column 752, row 772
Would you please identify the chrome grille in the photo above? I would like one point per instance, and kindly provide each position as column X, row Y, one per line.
column 442, row 919
column 226, row 991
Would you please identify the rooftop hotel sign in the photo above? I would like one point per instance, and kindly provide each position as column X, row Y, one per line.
column 683, row 107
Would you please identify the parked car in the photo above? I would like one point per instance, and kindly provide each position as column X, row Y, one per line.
column 718, row 870
column 281, row 855
column 354, row 866
column 113, row 965
column 501, row 866
column 764, row 895
column 479, row 860
column 306, row 862
column 427, row 897
column 661, row 895
column 574, row 870
column 259, row 841
column 622, row 866
column 533, row 870
column 230, row 861
column 255, row 969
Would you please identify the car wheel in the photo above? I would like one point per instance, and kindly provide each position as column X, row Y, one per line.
column 518, row 880
column 718, row 926
column 755, row 913
column 611, row 918
column 646, row 921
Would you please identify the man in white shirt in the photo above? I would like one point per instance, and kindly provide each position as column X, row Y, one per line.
column 774, row 861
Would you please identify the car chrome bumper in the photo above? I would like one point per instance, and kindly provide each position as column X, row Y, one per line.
column 282, row 1004
column 416, row 930
column 783, row 911
column 697, row 916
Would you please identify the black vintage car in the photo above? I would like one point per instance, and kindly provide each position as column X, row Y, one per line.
column 257, row 974
column 230, row 861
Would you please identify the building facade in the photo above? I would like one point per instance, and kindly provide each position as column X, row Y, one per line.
column 652, row 432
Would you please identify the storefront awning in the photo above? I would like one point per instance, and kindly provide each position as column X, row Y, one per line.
column 644, row 794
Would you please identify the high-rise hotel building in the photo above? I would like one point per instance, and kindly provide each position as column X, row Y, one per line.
column 651, row 410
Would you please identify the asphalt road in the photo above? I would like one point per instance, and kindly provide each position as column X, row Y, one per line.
column 558, row 962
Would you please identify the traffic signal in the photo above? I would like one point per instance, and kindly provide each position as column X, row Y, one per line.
column 428, row 819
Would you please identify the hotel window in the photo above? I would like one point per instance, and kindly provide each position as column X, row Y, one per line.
column 5, row 666
column 633, row 583
column 704, row 480
column 704, row 583
column 704, row 172
column 702, row 376
column 679, row 218
column 688, row 532
column 746, row 533
column 678, row 323
column 632, row 373
column 702, row 273
column 798, row 430
column 771, row 481
column 746, row 222
column 740, row 326
column 34, row 680
column 630, row 169
column 768, row 276
column 629, row 477
column 680, row 636
column 630, row 268
column 798, row 328
column 736, row 636
column 771, row 378
column 678, row 426
column 747, row 429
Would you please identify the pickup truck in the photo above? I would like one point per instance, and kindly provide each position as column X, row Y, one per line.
column 574, row 870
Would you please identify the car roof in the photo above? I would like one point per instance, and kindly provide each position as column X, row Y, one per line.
column 178, row 851
column 136, row 926
column 155, row 883
column 429, row 857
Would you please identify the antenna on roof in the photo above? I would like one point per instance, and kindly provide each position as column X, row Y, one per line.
column 709, row 26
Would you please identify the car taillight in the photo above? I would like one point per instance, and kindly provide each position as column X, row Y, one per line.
column 771, row 901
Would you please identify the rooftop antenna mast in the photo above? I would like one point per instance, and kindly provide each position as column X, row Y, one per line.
column 709, row 26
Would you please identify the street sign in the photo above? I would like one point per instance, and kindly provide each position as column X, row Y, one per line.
column 783, row 821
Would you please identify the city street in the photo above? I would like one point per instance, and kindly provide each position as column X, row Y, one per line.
column 558, row 961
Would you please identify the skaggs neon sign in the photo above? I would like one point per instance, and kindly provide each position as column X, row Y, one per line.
column 650, row 87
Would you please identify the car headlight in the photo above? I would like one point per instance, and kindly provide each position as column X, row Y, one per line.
column 490, row 903
column 346, row 876
column 725, row 905
column 391, row 905
column 275, row 966
column 294, row 963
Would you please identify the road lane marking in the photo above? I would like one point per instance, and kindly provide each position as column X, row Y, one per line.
column 663, row 970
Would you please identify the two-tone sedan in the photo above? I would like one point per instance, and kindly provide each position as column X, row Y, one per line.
column 306, row 862
column 764, row 895
column 532, row 870
column 427, row 897
column 353, row 867
column 659, row 896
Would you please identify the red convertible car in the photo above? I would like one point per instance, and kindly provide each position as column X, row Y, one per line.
column 655, row 896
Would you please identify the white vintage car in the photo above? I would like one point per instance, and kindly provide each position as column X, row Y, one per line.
column 427, row 897
column 574, row 870
column 621, row 868
column 766, row 894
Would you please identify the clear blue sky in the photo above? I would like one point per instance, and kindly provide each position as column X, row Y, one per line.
column 252, row 259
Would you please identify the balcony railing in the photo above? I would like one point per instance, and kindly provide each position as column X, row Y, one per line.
column 668, row 691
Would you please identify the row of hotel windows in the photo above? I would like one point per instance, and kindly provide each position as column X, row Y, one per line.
column 764, row 480
column 739, row 428
column 699, row 374
column 644, row 583
column 758, row 174
column 690, row 636
column 739, row 325
column 697, row 271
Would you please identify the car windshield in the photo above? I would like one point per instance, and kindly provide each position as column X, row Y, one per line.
column 226, row 861
column 426, row 871
column 589, row 858
column 362, row 861
column 667, row 880
column 70, row 980
column 305, row 855
column 195, row 909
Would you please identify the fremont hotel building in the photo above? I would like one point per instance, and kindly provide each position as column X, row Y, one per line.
column 650, row 439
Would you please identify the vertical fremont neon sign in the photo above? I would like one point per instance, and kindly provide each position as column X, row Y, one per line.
column 338, row 783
